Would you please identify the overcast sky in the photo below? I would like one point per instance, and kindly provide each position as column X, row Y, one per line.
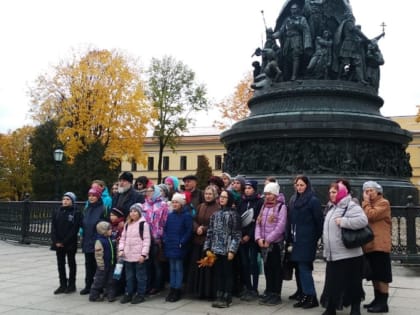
column 215, row 38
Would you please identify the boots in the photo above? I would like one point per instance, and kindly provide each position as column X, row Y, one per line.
column 63, row 286
column 355, row 309
column 71, row 287
column 310, row 302
column 219, row 299
column 296, row 296
column 176, row 295
column 223, row 300
column 170, row 295
column 375, row 292
column 381, row 305
column 301, row 301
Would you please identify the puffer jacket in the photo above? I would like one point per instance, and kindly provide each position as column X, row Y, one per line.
column 378, row 213
column 177, row 234
column 131, row 243
column 224, row 232
column 94, row 213
column 271, row 224
column 354, row 219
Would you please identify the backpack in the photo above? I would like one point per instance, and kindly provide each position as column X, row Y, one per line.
column 141, row 228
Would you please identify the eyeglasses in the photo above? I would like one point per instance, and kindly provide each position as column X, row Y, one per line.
column 223, row 197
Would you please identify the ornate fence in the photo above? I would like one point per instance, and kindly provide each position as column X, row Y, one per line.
column 30, row 222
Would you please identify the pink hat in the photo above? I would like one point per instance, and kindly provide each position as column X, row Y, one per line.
column 95, row 192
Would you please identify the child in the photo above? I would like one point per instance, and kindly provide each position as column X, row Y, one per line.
column 223, row 238
column 134, row 248
column 269, row 235
column 104, row 256
column 176, row 235
column 65, row 224
column 117, row 223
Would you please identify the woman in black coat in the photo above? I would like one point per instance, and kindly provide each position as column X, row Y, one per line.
column 306, row 223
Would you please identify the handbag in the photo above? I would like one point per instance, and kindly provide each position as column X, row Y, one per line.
column 356, row 238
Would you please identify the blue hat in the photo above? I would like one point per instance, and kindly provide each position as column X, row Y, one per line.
column 252, row 183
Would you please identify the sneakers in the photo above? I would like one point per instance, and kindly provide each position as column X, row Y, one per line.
column 85, row 291
column 125, row 299
column 60, row 290
column 137, row 299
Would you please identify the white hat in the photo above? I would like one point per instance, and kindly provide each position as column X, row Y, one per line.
column 179, row 198
column 272, row 188
column 374, row 185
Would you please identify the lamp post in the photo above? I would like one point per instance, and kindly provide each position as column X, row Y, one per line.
column 58, row 158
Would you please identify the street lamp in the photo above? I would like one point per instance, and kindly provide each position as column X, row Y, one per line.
column 58, row 158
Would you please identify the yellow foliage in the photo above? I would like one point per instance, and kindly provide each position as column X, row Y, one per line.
column 235, row 107
column 15, row 165
column 99, row 97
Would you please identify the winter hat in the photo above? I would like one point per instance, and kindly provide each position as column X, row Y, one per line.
column 374, row 185
column 252, row 183
column 227, row 175
column 342, row 192
column 126, row 176
column 240, row 179
column 71, row 195
column 117, row 212
column 165, row 189
column 102, row 227
column 137, row 207
column 179, row 198
column 272, row 188
column 173, row 180
column 95, row 192
column 190, row 177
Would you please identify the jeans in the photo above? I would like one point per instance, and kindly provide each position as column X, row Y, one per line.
column 176, row 269
column 306, row 280
column 136, row 278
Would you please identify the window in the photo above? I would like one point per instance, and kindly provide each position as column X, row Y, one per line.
column 165, row 163
column 183, row 163
column 150, row 163
column 133, row 165
column 218, row 162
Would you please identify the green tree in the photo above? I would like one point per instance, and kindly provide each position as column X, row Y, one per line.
column 204, row 171
column 15, row 164
column 98, row 97
column 44, row 142
column 175, row 96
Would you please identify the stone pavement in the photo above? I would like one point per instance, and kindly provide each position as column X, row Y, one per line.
column 28, row 277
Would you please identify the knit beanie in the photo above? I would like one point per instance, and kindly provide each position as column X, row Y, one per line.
column 272, row 188
column 227, row 175
column 164, row 189
column 240, row 179
column 117, row 212
column 102, row 227
column 342, row 192
column 252, row 183
column 137, row 207
column 374, row 185
column 71, row 195
column 95, row 192
column 179, row 198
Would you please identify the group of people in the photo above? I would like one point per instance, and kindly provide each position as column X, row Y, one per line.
column 211, row 244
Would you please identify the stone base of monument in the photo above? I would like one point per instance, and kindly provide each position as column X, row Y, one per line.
column 325, row 129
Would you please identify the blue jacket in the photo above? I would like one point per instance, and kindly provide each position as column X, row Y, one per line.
column 94, row 213
column 306, row 223
column 177, row 234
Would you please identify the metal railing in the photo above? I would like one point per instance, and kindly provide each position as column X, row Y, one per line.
column 30, row 222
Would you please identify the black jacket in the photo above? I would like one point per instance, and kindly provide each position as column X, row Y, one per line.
column 65, row 224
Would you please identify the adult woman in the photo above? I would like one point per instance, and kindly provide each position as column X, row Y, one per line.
column 223, row 237
column 305, row 218
column 377, row 252
column 343, row 276
column 201, row 280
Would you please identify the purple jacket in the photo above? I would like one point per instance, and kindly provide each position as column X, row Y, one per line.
column 271, row 223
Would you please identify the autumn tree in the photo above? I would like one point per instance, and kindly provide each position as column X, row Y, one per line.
column 96, row 98
column 15, row 164
column 235, row 107
column 175, row 96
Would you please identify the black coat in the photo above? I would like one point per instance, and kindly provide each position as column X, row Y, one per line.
column 65, row 225
column 125, row 200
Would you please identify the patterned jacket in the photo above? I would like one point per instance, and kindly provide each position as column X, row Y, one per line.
column 224, row 232
column 156, row 214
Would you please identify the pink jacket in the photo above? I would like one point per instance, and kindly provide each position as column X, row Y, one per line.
column 271, row 223
column 131, row 244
